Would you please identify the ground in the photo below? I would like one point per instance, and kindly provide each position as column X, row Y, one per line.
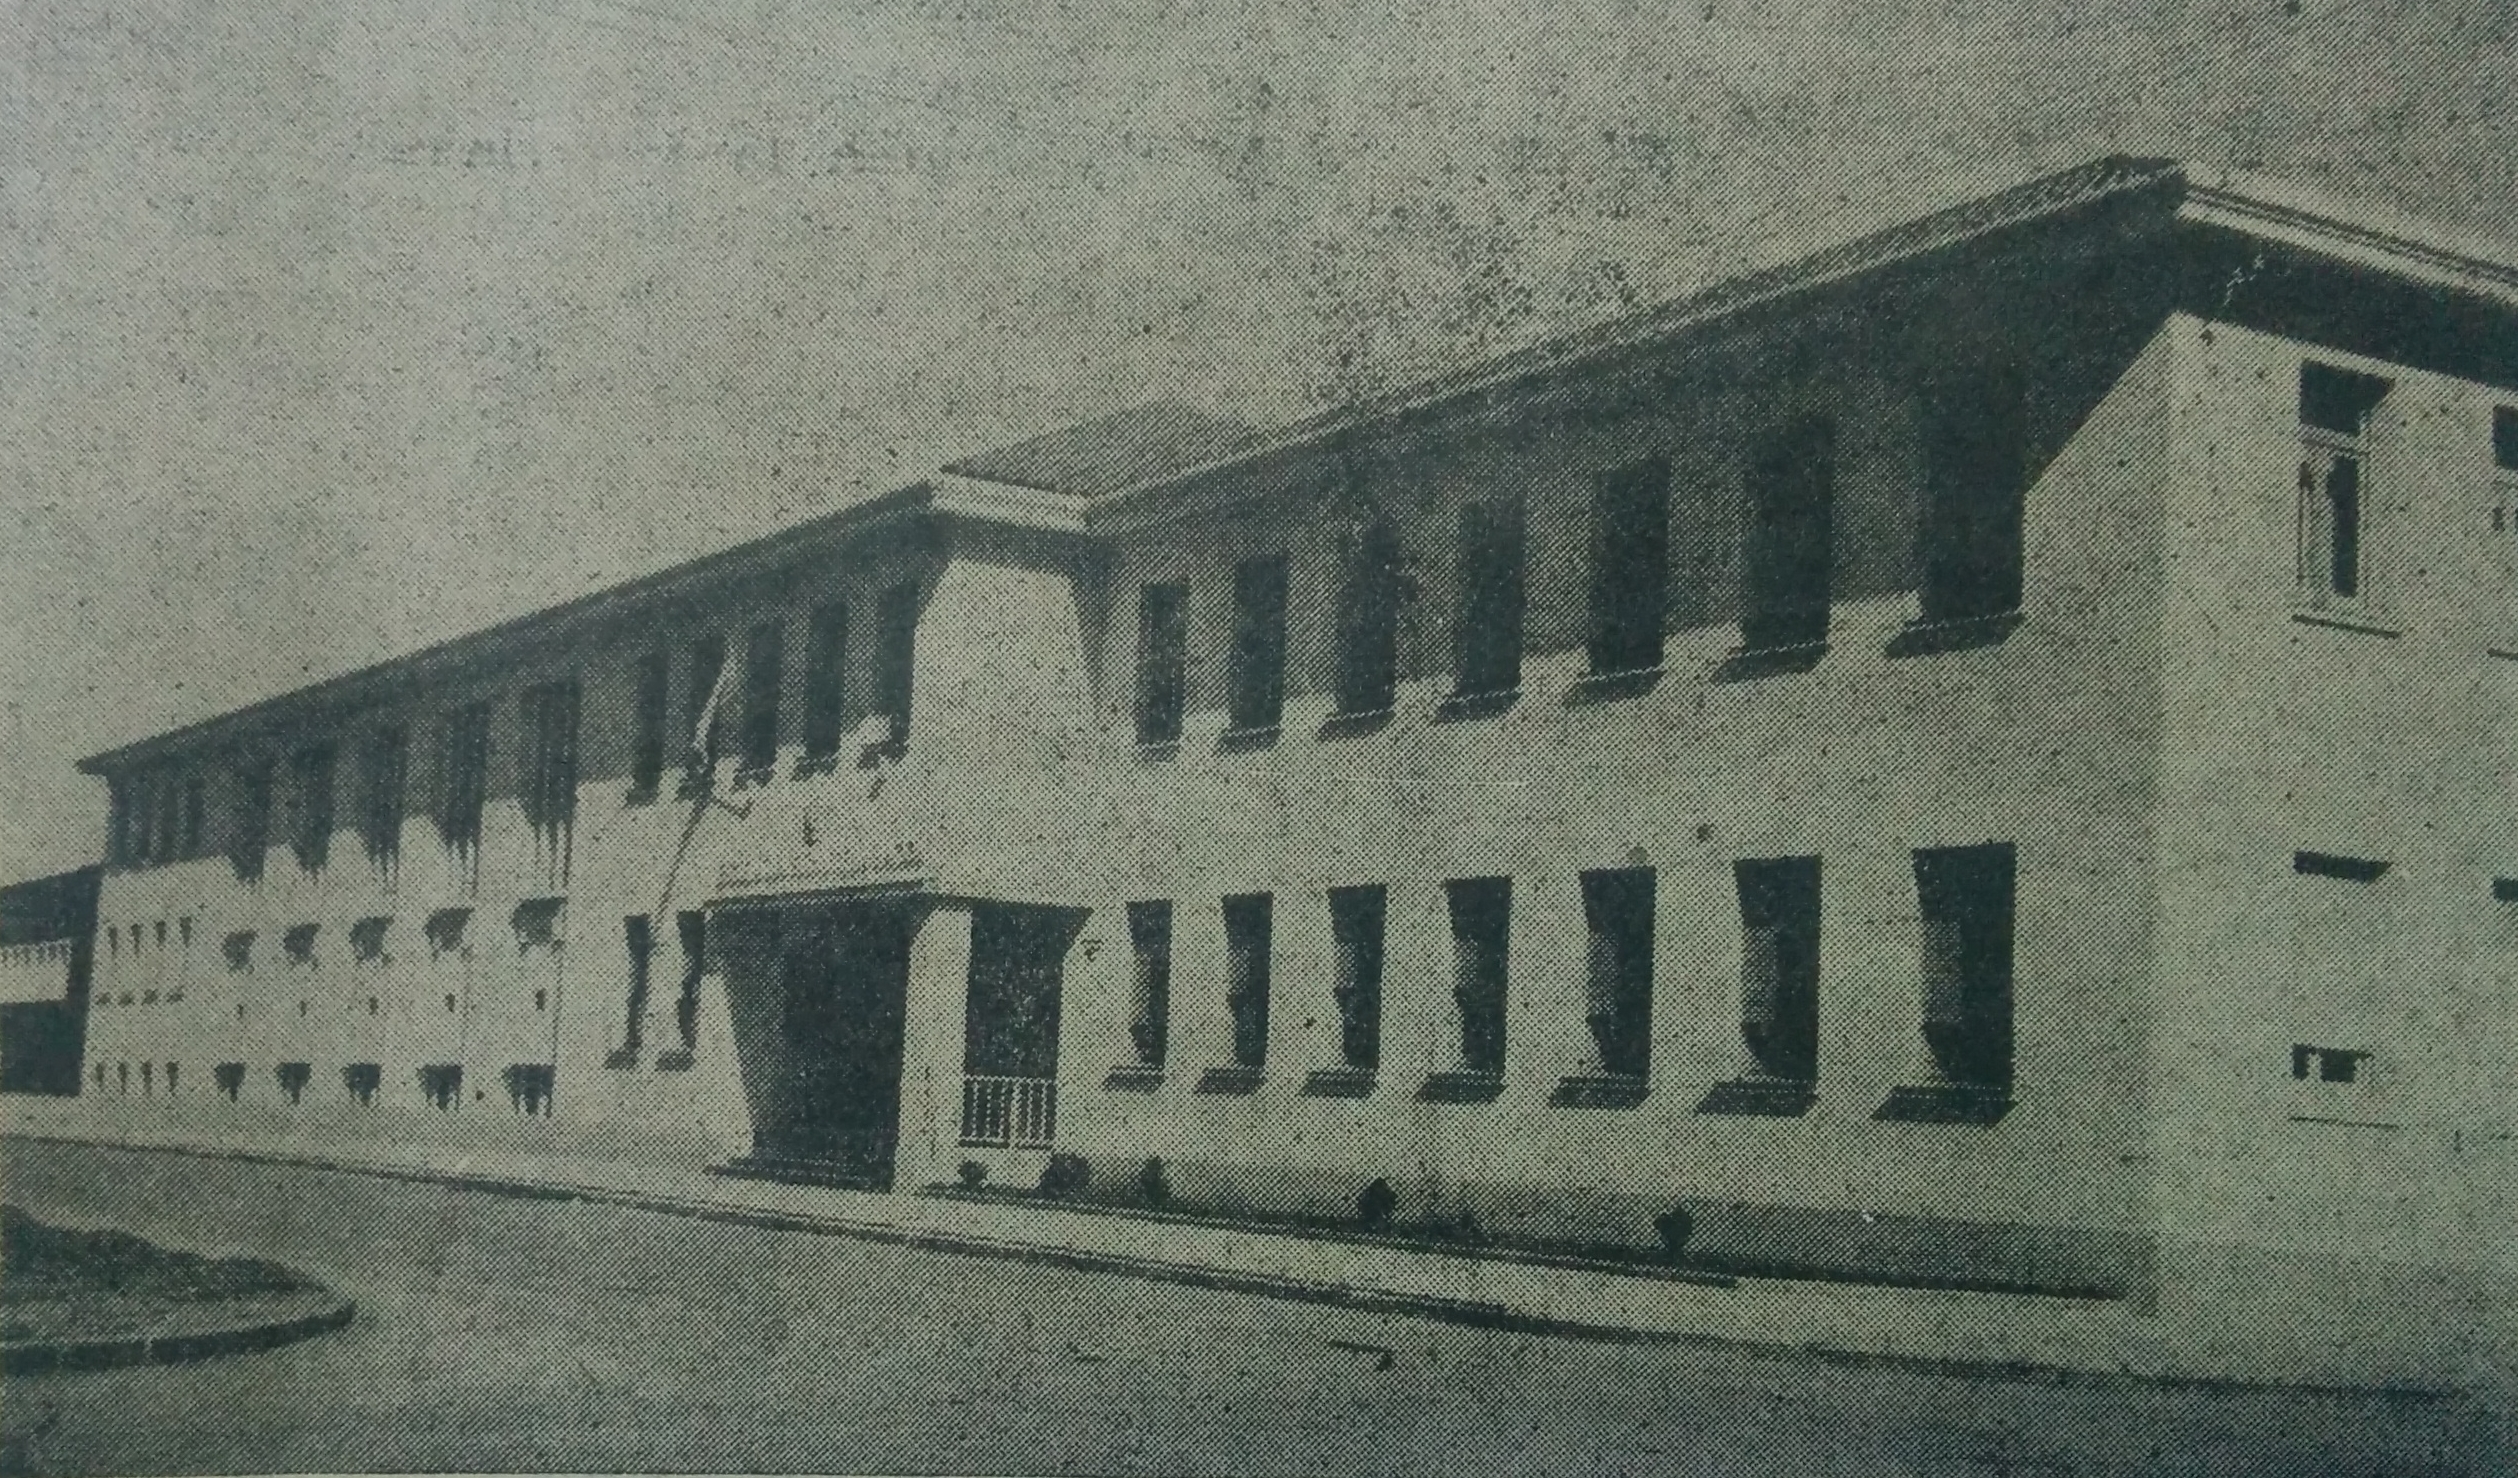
column 540, row 1334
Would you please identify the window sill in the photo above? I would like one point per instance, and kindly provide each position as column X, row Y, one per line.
column 1463, row 707
column 1158, row 751
column 1135, row 1077
column 1608, row 687
column 676, row 1061
column 1964, row 633
column 1231, row 1080
column 1340, row 1082
column 1461, row 1087
column 2347, row 621
column 1356, row 724
column 696, row 784
column 1748, row 663
column 751, row 776
column 815, row 764
column 1772, row 1098
column 1945, row 1103
column 1247, row 737
column 2506, row 654
column 1601, row 1090
column 876, row 753
column 639, row 795
column 620, row 1057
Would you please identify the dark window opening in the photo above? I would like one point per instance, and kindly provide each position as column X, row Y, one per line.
column 1779, row 965
column 1481, row 941
column 310, row 792
column 384, row 777
column 229, row 1076
column 1258, row 670
column 638, row 937
column 1359, row 922
column 251, row 837
column 2505, row 437
column 703, row 704
column 463, row 790
column 1150, row 1005
column 293, row 1078
column 170, row 1079
column 1787, row 568
column 2336, row 400
column 650, row 696
column 1630, row 566
column 1368, row 621
column 1017, row 987
column 1966, row 894
column 1249, row 934
column 362, row 1079
column 1489, row 600
column 195, row 818
column 825, row 680
column 162, row 843
column 528, row 1087
column 550, row 780
column 1162, row 662
column 118, row 848
column 764, row 675
column 441, row 1084
column 692, row 926
column 2330, row 1064
column 1975, row 465
column 2330, row 865
column 2335, row 407
column 367, row 940
column 896, row 656
column 1618, row 908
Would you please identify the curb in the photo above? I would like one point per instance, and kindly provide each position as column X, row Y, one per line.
column 38, row 1357
column 1470, row 1313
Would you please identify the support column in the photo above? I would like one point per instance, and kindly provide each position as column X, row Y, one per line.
column 931, row 1047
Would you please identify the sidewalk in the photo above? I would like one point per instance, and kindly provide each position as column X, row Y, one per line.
column 2003, row 1335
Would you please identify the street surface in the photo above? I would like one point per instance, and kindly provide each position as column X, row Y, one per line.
column 549, row 1335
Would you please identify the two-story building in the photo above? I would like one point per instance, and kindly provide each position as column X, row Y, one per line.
column 1981, row 757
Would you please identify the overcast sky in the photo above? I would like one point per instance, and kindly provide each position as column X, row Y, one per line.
column 332, row 328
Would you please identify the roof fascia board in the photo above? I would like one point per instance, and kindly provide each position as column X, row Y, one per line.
column 2366, row 236
column 334, row 697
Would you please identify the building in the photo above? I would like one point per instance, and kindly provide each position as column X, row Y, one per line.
column 47, row 928
column 1981, row 757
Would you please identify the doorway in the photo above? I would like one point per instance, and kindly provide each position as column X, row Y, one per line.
column 819, row 993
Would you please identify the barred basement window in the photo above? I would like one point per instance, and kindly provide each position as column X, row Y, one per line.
column 650, row 696
column 825, row 681
column 1359, row 923
column 1368, row 621
column 528, row 1088
column 1787, row 565
column 2335, row 407
column 1150, row 1009
column 229, row 1076
column 310, row 794
column 442, row 1085
column 362, row 1079
column 1249, row 935
column 764, row 676
column 1257, row 700
column 1162, row 662
column 1975, row 467
column 1488, row 601
column 293, row 1078
column 1779, row 965
column 1967, row 901
column 1630, row 566
column 1618, row 907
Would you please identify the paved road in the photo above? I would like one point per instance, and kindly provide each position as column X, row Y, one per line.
column 537, row 1335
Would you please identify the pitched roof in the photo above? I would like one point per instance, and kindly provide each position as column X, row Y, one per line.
column 1116, row 452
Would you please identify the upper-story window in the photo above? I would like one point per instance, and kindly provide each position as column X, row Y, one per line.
column 1488, row 600
column 250, row 838
column 1630, row 566
column 118, row 824
column 384, row 766
column 310, row 799
column 1162, row 661
column 1787, row 566
column 764, row 676
column 896, row 655
column 2335, row 408
column 464, row 777
column 703, row 703
column 1975, row 469
column 825, row 680
column 650, row 697
column 549, row 780
column 1257, row 699
column 1368, row 620
column 195, row 821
